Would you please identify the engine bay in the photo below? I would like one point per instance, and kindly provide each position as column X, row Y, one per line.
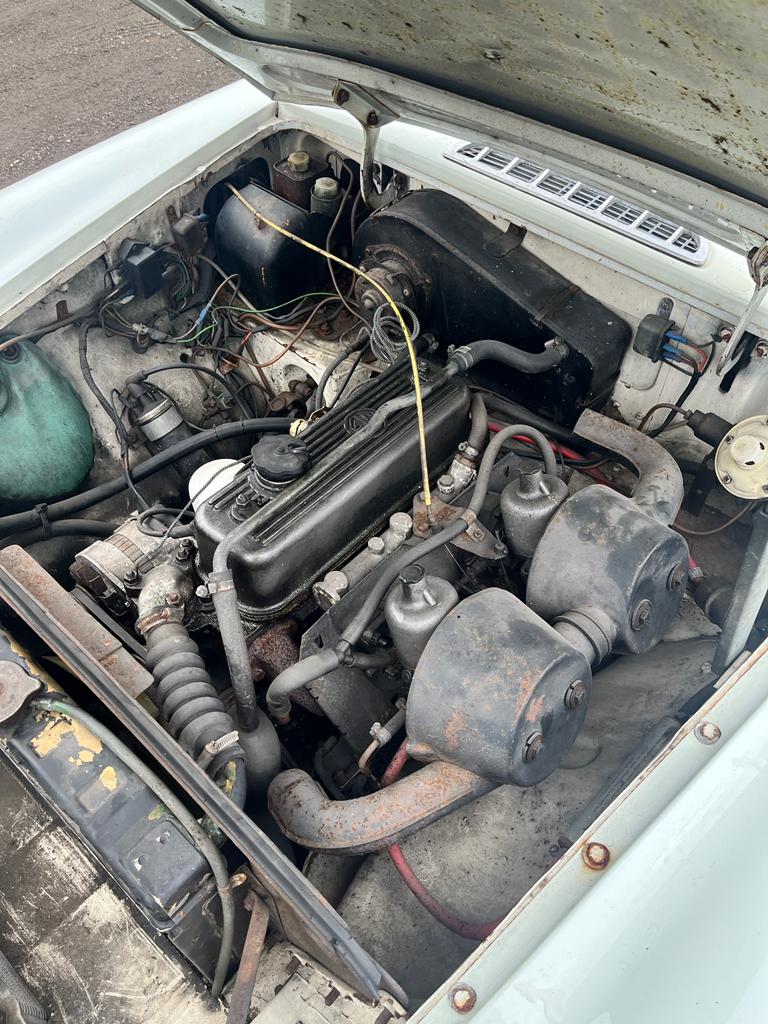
column 395, row 534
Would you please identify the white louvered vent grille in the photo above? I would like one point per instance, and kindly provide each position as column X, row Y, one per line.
column 590, row 201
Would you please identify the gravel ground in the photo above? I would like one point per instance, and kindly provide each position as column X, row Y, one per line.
column 74, row 72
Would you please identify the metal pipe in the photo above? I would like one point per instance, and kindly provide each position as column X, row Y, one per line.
column 659, row 489
column 253, row 947
column 311, row 819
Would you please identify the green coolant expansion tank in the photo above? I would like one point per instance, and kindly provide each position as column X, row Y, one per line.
column 46, row 444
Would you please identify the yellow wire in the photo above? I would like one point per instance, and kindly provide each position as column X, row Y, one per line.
column 391, row 302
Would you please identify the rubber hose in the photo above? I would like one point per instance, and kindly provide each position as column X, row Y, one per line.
column 491, row 452
column 30, row 519
column 298, row 675
column 467, row 356
column 478, row 431
column 189, row 703
column 186, row 819
column 316, row 402
column 236, row 653
column 64, row 528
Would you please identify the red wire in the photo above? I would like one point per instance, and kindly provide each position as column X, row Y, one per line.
column 569, row 453
column 476, row 932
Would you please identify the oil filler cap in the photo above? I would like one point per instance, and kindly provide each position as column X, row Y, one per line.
column 741, row 460
column 280, row 460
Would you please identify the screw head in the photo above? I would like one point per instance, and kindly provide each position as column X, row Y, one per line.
column 131, row 576
column 342, row 96
column 641, row 614
column 493, row 54
column 575, row 695
column 729, row 439
column 726, row 478
column 173, row 598
column 373, row 119
column 463, row 998
column 533, row 747
column 676, row 577
column 707, row 732
column 596, row 856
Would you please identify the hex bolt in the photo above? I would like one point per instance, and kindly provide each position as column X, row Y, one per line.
column 575, row 695
column 463, row 998
column 726, row 478
column 372, row 120
column 342, row 96
column 131, row 576
column 533, row 747
column 173, row 598
column 707, row 732
column 641, row 614
column 676, row 577
column 596, row 856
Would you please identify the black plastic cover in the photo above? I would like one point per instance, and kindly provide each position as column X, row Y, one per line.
column 273, row 269
column 474, row 281
column 650, row 335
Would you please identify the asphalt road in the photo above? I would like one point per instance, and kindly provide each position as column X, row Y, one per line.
column 74, row 72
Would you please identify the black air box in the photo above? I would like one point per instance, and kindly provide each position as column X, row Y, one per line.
column 472, row 280
column 320, row 519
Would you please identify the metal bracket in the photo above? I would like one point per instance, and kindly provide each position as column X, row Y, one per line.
column 475, row 539
column 372, row 115
column 757, row 261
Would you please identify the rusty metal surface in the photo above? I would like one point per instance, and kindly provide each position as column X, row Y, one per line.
column 82, row 629
column 659, row 488
column 306, row 917
column 492, row 691
column 311, row 819
column 476, row 539
column 240, row 999
column 274, row 649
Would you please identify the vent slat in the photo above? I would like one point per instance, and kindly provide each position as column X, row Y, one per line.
column 586, row 200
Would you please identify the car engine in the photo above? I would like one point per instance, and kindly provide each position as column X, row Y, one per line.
column 348, row 514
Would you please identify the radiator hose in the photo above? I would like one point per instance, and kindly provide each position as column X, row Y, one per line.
column 189, row 703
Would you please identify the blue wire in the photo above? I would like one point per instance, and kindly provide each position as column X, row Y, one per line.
column 677, row 337
column 671, row 350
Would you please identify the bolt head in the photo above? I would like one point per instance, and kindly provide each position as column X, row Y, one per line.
column 493, row 54
column 575, row 695
column 131, row 576
column 641, row 615
column 373, row 119
column 342, row 96
column 463, row 998
column 707, row 732
column 676, row 577
column 173, row 597
column 726, row 478
column 596, row 856
column 533, row 747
